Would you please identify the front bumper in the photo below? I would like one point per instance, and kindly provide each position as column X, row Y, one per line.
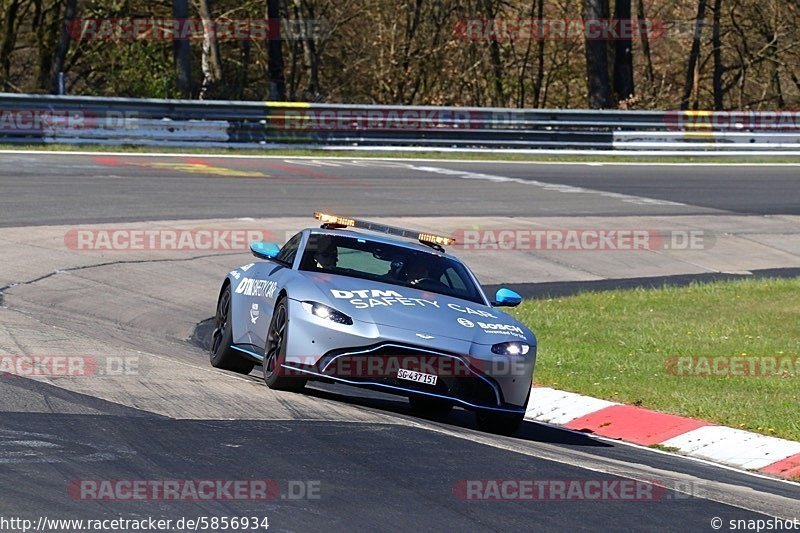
column 376, row 367
column 473, row 376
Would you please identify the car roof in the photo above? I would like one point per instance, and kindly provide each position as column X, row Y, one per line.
column 385, row 239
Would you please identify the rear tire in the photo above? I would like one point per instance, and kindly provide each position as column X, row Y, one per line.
column 430, row 407
column 221, row 355
column 275, row 352
column 499, row 423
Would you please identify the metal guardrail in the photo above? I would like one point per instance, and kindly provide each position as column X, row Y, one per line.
column 41, row 119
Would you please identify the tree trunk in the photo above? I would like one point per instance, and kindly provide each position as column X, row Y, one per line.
column 523, row 72
column 490, row 12
column 691, row 69
column 413, row 21
column 597, row 58
column 648, row 58
column 63, row 46
column 244, row 74
column 277, row 81
column 7, row 40
column 296, row 50
column 46, row 23
column 623, row 54
column 776, row 62
column 719, row 68
column 211, row 63
column 181, row 52
column 539, row 80
column 310, row 57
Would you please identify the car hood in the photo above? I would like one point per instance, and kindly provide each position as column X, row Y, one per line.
column 423, row 312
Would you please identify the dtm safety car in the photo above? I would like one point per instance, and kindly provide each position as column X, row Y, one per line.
column 380, row 307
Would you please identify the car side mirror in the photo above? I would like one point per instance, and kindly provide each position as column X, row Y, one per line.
column 264, row 250
column 506, row 298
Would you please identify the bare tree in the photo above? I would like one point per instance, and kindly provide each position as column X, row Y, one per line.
column 716, row 45
column 7, row 40
column 772, row 24
column 623, row 53
column 539, row 80
column 692, row 74
column 181, row 51
column 490, row 10
column 304, row 13
column 413, row 21
column 597, row 58
column 417, row 52
column 277, row 81
column 63, row 46
column 649, row 74
column 46, row 25
column 211, row 60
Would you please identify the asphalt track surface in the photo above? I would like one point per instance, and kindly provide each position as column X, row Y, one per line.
column 378, row 468
column 62, row 189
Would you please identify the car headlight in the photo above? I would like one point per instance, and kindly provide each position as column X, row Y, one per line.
column 511, row 348
column 323, row 311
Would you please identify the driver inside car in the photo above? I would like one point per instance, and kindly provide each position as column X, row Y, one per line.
column 327, row 254
column 416, row 272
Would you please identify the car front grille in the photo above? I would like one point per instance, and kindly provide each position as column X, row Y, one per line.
column 379, row 365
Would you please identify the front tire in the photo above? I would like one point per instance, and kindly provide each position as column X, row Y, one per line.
column 275, row 352
column 221, row 355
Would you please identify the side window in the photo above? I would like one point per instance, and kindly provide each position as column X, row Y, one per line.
column 289, row 250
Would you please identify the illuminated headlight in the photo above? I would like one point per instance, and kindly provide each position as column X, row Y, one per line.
column 511, row 348
column 323, row 311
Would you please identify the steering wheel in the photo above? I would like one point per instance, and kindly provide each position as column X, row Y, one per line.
column 430, row 283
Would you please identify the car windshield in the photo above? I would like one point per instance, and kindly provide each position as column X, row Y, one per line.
column 388, row 263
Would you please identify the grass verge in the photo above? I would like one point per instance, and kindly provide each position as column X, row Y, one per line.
column 454, row 156
column 623, row 345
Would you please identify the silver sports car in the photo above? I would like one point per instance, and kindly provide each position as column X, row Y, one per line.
column 383, row 308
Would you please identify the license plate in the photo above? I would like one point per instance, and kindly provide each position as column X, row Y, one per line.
column 419, row 377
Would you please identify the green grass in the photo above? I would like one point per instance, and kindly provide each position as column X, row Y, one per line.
column 615, row 345
column 460, row 156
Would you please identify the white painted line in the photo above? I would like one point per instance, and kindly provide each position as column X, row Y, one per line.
column 694, row 459
column 560, row 407
column 312, row 162
column 556, row 187
column 734, row 446
column 740, row 495
column 379, row 158
column 568, row 151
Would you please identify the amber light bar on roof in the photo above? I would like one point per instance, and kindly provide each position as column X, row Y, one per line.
column 344, row 222
column 436, row 239
column 333, row 219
